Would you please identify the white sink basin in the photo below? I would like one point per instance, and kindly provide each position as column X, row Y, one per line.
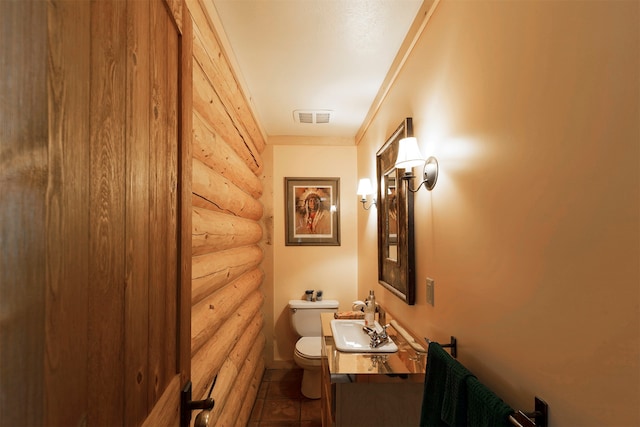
column 348, row 336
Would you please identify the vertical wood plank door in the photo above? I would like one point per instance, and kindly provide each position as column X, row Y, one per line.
column 139, row 271
column 157, row 325
column 169, row 173
column 23, row 188
column 95, row 212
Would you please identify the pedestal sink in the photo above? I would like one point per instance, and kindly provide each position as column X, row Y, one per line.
column 348, row 336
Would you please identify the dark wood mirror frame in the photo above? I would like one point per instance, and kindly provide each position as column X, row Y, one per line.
column 396, row 256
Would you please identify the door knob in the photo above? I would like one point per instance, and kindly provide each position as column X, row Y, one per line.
column 187, row 405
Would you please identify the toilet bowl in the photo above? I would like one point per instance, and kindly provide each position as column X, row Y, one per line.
column 307, row 356
column 305, row 319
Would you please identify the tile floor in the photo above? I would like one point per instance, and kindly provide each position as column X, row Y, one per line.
column 281, row 404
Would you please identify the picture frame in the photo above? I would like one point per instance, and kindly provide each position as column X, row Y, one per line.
column 312, row 211
column 396, row 246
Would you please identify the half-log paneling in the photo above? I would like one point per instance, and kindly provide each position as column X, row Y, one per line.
column 222, row 194
column 211, row 108
column 236, row 398
column 218, row 70
column 214, row 231
column 226, row 335
column 247, row 405
column 212, row 271
column 209, row 313
column 219, row 156
column 209, row 358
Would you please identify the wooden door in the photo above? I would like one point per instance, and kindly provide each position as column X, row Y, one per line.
column 158, row 211
column 140, row 229
column 23, row 190
column 95, row 211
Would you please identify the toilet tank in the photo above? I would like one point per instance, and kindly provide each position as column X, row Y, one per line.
column 305, row 315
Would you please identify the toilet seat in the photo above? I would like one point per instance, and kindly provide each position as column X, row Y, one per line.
column 309, row 347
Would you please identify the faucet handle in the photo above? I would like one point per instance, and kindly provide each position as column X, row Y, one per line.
column 368, row 330
column 384, row 331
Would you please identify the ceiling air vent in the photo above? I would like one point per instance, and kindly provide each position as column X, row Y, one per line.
column 312, row 116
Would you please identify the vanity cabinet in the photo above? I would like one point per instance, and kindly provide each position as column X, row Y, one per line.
column 371, row 389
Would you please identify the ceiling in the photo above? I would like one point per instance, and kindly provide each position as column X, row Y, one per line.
column 313, row 56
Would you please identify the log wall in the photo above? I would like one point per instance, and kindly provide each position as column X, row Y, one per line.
column 227, row 321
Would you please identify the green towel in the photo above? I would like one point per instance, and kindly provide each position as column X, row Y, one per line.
column 434, row 383
column 454, row 403
column 485, row 408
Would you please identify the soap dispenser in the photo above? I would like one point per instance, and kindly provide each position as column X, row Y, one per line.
column 370, row 311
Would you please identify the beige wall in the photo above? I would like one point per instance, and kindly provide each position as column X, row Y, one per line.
column 532, row 232
column 296, row 268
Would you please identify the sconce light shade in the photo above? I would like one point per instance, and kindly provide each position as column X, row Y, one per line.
column 409, row 154
column 364, row 188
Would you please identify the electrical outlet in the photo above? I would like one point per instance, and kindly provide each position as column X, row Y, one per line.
column 430, row 291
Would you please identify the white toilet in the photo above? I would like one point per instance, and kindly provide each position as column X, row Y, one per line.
column 305, row 318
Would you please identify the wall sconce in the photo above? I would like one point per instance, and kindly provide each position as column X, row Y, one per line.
column 365, row 189
column 409, row 156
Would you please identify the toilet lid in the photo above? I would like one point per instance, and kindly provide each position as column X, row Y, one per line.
column 310, row 347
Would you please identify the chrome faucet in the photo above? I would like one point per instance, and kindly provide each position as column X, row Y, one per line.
column 377, row 338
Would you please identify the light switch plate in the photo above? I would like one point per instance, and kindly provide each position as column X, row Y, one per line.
column 430, row 291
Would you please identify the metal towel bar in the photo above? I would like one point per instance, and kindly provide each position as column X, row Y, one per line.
column 453, row 345
column 538, row 418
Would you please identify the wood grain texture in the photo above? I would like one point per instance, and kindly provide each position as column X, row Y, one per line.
column 226, row 313
column 166, row 412
column 228, row 371
column 208, row 360
column 222, row 74
column 250, row 339
column 227, row 377
column 213, row 151
column 161, row 142
column 67, row 227
column 210, row 107
column 235, row 399
column 215, row 231
column 210, row 313
column 23, row 183
column 138, row 89
column 231, row 378
column 75, row 194
column 172, row 58
column 212, row 271
column 171, row 61
column 184, row 185
column 170, row 193
column 252, row 393
column 176, row 13
column 107, row 218
column 222, row 195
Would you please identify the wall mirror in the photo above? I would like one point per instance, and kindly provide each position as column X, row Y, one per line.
column 396, row 259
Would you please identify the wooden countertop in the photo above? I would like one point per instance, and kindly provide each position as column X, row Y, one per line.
column 404, row 364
